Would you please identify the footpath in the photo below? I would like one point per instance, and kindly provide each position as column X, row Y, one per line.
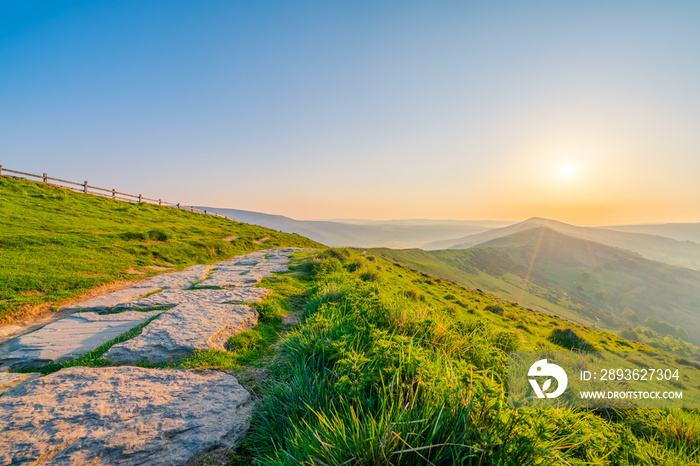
column 125, row 414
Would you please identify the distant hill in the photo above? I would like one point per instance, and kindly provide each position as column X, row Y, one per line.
column 363, row 233
column 654, row 247
column 484, row 224
column 677, row 231
column 575, row 278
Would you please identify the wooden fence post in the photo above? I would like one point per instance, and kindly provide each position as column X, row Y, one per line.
column 45, row 178
column 0, row 169
column 114, row 193
column 85, row 187
column 178, row 205
column 139, row 198
column 160, row 202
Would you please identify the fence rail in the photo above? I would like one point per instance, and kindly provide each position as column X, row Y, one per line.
column 109, row 193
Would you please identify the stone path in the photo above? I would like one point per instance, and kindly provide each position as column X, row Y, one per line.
column 242, row 293
column 121, row 415
column 9, row 380
column 70, row 337
column 131, row 415
column 184, row 328
column 205, row 308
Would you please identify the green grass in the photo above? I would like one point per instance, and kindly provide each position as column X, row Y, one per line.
column 582, row 281
column 56, row 244
column 405, row 368
column 460, row 266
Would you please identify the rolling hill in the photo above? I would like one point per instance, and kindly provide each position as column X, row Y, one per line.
column 578, row 279
column 650, row 246
column 677, row 231
column 362, row 233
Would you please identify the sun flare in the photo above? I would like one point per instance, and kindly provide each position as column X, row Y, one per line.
column 566, row 172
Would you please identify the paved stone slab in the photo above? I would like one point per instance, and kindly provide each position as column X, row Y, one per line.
column 281, row 257
column 177, row 280
column 69, row 338
column 9, row 380
column 249, row 259
column 249, row 269
column 234, row 269
column 121, row 415
column 259, row 274
column 278, row 267
column 225, row 279
column 184, row 328
column 175, row 297
column 106, row 302
column 279, row 254
column 285, row 251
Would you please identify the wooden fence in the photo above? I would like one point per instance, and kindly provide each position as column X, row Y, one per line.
column 84, row 187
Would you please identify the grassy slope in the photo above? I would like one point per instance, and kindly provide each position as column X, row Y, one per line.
column 394, row 367
column 583, row 281
column 459, row 266
column 55, row 244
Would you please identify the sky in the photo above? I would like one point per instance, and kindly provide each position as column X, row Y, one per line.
column 586, row 112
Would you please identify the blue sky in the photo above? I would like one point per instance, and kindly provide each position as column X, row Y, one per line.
column 584, row 111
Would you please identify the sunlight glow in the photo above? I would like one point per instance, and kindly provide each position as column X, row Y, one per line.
column 566, row 172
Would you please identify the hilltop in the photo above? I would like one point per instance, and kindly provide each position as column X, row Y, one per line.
column 651, row 246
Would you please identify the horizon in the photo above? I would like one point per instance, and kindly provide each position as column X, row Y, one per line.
column 475, row 221
column 583, row 113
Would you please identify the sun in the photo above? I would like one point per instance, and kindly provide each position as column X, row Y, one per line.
column 566, row 172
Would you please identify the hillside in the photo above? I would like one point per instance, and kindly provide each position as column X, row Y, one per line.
column 361, row 233
column 56, row 244
column 650, row 246
column 391, row 366
column 581, row 280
